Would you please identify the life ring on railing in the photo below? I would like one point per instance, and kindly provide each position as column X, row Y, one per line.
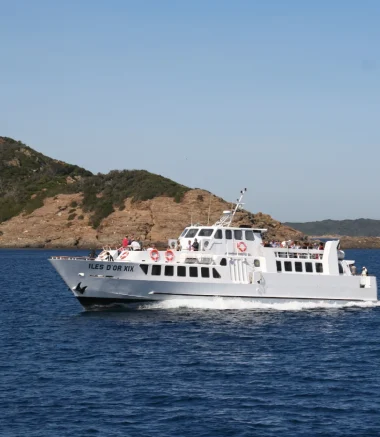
column 242, row 246
column 169, row 255
column 154, row 255
column 124, row 254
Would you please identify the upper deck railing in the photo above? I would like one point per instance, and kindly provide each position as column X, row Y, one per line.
column 297, row 253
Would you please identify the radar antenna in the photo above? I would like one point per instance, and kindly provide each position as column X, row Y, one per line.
column 228, row 216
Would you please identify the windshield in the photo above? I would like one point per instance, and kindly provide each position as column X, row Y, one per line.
column 205, row 232
column 191, row 233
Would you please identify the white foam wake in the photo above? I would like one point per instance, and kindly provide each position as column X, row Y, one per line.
column 219, row 303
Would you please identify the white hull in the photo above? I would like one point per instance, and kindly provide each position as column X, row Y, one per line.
column 88, row 282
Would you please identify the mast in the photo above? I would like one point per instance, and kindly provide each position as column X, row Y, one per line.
column 228, row 216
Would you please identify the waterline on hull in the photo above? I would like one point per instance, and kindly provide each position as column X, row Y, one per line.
column 219, row 303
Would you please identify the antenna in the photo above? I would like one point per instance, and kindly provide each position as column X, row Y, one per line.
column 209, row 210
column 228, row 216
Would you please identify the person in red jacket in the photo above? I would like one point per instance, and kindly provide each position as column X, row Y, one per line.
column 125, row 242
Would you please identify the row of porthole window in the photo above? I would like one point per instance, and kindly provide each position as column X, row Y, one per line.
column 299, row 267
column 193, row 272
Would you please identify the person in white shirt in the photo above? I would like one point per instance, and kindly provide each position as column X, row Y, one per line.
column 152, row 247
column 135, row 245
column 364, row 271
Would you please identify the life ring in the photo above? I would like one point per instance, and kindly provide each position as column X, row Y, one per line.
column 124, row 254
column 154, row 255
column 242, row 246
column 169, row 255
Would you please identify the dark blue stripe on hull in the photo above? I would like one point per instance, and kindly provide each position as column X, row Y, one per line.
column 104, row 301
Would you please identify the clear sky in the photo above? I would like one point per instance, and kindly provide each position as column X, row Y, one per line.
column 281, row 97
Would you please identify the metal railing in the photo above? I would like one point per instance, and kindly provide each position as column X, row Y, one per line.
column 298, row 253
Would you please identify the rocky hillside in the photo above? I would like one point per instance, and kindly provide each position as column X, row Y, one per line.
column 48, row 203
column 27, row 177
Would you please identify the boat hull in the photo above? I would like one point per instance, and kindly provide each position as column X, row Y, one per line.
column 103, row 284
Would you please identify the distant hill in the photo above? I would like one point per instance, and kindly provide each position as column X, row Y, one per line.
column 49, row 203
column 27, row 177
column 353, row 228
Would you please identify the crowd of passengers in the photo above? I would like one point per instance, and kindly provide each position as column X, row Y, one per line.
column 295, row 245
column 130, row 243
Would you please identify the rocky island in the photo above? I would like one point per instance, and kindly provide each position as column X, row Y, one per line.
column 48, row 203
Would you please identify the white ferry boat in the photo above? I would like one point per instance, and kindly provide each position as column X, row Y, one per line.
column 231, row 262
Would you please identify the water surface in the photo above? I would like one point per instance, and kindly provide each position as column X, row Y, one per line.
column 182, row 369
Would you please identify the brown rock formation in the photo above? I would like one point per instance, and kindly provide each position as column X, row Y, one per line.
column 359, row 242
column 62, row 223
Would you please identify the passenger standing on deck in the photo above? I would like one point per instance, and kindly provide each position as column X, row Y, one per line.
column 189, row 246
column 364, row 271
column 152, row 247
column 125, row 242
column 195, row 245
column 135, row 245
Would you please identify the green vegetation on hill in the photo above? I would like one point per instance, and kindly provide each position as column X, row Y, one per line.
column 104, row 192
column 353, row 228
column 27, row 177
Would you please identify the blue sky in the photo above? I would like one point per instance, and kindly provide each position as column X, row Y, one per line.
column 281, row 97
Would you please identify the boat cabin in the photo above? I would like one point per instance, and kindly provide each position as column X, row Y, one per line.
column 221, row 240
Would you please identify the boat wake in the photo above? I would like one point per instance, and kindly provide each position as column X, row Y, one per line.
column 220, row 303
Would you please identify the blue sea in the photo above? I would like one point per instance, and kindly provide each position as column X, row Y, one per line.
column 218, row 369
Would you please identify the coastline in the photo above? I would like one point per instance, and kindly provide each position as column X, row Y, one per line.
column 346, row 243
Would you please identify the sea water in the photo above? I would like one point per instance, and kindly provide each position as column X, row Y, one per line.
column 182, row 368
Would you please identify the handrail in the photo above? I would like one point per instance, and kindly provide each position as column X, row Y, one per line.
column 298, row 253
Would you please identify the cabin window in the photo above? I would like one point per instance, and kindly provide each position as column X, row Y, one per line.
column 309, row 267
column 191, row 233
column 288, row 266
column 218, row 234
column 279, row 267
column 340, row 268
column 144, row 268
column 205, row 272
column 184, row 232
column 238, row 234
column 194, row 272
column 169, row 270
column 256, row 263
column 215, row 273
column 181, row 271
column 228, row 234
column 249, row 235
column 319, row 267
column 298, row 266
column 205, row 232
column 156, row 270
column 223, row 262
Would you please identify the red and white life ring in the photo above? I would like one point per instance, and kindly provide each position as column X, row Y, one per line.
column 242, row 246
column 169, row 255
column 154, row 255
column 124, row 254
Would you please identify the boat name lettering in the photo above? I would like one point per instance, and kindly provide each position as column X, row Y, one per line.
column 111, row 267
column 96, row 266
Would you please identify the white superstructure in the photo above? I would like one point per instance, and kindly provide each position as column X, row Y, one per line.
column 230, row 262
